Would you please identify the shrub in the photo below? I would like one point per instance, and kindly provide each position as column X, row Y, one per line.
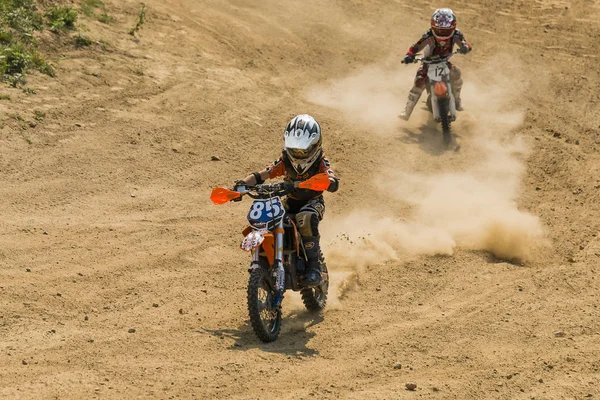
column 61, row 18
column 105, row 18
column 19, row 19
column 15, row 60
column 5, row 37
column 21, row 16
column 82, row 41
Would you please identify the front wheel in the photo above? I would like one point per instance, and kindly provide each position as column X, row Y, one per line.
column 315, row 298
column 265, row 316
column 443, row 105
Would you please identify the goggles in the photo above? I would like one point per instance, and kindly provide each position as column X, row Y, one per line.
column 443, row 33
column 301, row 153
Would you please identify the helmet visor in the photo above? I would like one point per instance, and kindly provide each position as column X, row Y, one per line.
column 443, row 33
column 302, row 154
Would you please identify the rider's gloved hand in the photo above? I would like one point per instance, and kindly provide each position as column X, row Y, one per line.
column 237, row 186
column 289, row 185
column 334, row 184
column 408, row 59
column 464, row 49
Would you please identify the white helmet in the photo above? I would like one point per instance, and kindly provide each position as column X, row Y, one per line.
column 302, row 142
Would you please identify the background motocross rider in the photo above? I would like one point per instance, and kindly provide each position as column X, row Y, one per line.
column 302, row 158
column 439, row 40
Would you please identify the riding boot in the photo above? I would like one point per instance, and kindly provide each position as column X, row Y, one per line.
column 413, row 98
column 312, row 277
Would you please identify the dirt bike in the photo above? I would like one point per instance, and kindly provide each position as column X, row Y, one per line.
column 440, row 99
column 278, row 256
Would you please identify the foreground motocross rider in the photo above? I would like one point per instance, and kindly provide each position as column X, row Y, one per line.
column 302, row 158
column 438, row 41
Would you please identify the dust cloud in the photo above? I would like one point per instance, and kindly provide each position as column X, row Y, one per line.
column 469, row 200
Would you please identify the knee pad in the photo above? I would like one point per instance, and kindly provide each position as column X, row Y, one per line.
column 455, row 74
column 308, row 223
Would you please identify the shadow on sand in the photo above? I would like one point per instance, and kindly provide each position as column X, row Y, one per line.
column 429, row 138
column 292, row 340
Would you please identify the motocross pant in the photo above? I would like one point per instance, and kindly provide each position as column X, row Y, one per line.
column 421, row 82
column 308, row 214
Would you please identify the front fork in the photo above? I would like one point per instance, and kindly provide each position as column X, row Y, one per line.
column 278, row 270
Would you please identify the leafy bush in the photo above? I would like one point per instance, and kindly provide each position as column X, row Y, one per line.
column 5, row 37
column 82, row 41
column 15, row 60
column 19, row 20
column 21, row 16
column 61, row 18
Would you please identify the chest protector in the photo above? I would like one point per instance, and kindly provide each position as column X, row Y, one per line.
column 292, row 175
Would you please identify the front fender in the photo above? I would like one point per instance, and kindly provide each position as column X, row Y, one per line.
column 253, row 240
column 264, row 239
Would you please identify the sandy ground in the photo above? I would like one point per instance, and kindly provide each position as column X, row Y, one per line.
column 473, row 274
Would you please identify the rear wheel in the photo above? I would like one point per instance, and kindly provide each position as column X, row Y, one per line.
column 315, row 298
column 265, row 317
column 445, row 120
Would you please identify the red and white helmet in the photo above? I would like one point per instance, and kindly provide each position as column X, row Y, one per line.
column 443, row 25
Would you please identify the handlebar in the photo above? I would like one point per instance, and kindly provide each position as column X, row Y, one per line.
column 319, row 182
column 266, row 191
column 432, row 59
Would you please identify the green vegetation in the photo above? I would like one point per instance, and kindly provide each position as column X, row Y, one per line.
column 4, row 96
column 19, row 19
column 88, row 7
column 140, row 22
column 105, row 18
column 82, row 41
column 61, row 18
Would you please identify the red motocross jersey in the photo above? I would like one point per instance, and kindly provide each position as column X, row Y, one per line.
column 434, row 48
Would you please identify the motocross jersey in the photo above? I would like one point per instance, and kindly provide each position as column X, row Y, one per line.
column 283, row 167
column 434, row 48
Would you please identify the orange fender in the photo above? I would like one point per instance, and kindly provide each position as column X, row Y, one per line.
column 268, row 246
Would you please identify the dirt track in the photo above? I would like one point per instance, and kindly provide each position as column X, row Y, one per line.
column 105, row 208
